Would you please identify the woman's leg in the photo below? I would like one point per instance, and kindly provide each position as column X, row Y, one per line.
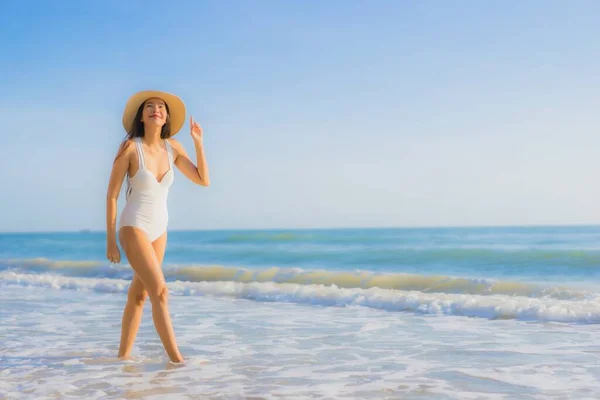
column 136, row 297
column 142, row 258
column 132, row 315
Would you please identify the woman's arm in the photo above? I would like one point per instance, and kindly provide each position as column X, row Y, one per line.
column 196, row 173
column 117, row 175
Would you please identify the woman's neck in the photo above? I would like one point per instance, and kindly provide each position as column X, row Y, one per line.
column 152, row 137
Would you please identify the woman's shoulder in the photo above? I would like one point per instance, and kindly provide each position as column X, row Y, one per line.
column 173, row 141
column 174, row 144
column 127, row 145
column 125, row 149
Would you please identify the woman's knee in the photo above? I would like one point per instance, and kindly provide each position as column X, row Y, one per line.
column 160, row 295
column 138, row 297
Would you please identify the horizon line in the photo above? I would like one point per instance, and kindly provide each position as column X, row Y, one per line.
column 406, row 227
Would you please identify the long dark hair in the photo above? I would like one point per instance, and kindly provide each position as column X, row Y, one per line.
column 137, row 126
column 137, row 129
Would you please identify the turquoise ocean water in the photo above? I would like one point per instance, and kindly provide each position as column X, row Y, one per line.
column 495, row 312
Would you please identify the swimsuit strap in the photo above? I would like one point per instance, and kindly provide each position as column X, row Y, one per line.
column 169, row 152
column 140, row 151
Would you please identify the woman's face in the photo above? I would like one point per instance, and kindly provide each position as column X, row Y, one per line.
column 154, row 113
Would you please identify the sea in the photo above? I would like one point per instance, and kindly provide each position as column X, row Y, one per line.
column 394, row 313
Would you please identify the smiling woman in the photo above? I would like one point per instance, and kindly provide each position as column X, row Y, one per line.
column 147, row 157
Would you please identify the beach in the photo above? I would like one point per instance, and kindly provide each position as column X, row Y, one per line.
column 427, row 313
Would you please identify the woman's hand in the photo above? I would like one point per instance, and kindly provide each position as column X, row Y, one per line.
column 195, row 130
column 112, row 253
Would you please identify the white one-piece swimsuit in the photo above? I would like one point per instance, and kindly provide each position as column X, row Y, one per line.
column 146, row 206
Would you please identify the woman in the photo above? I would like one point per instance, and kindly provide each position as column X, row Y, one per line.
column 147, row 156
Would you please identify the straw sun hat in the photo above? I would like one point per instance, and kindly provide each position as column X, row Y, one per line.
column 175, row 104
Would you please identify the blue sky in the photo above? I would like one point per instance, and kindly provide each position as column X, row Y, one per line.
column 316, row 114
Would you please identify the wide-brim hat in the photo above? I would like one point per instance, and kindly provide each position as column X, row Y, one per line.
column 175, row 104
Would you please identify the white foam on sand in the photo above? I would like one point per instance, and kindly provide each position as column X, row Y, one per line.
column 63, row 343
